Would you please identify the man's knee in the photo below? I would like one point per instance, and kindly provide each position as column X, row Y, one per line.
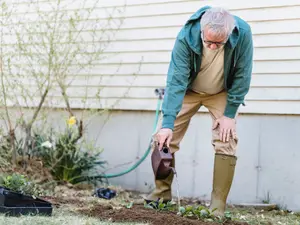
column 228, row 147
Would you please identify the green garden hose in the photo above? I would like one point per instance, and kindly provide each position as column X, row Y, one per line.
column 159, row 92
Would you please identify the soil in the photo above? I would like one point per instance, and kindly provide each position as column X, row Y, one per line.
column 140, row 214
column 135, row 214
column 58, row 202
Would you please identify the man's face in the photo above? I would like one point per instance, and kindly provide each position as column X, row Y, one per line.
column 212, row 40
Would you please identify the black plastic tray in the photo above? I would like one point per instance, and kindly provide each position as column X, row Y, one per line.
column 15, row 204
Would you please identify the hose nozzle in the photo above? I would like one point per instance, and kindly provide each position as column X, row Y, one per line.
column 160, row 92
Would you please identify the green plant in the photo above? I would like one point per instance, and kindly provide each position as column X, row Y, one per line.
column 202, row 212
column 68, row 157
column 20, row 183
column 267, row 199
column 192, row 211
column 160, row 205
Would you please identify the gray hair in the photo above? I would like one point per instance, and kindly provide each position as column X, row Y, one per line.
column 219, row 20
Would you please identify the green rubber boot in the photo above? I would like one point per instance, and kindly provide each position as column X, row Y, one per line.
column 224, row 167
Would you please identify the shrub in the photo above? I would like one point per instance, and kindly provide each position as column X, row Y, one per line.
column 68, row 158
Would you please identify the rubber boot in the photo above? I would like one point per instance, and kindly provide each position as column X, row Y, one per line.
column 163, row 188
column 224, row 167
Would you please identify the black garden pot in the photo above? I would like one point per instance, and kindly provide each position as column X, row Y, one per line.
column 16, row 204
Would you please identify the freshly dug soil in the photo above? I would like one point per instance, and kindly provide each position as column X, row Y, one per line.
column 137, row 214
column 140, row 214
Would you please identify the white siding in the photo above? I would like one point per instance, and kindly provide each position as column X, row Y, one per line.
column 147, row 37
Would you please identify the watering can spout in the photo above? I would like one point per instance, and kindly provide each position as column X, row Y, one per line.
column 161, row 162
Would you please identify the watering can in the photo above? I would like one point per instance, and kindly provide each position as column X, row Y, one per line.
column 161, row 162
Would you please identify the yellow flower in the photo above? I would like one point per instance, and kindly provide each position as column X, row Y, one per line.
column 72, row 120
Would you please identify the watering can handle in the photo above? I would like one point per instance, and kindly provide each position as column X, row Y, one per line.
column 164, row 145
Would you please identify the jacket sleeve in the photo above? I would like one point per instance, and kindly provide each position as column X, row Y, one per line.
column 242, row 77
column 177, row 82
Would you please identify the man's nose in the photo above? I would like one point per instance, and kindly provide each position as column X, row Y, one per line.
column 213, row 46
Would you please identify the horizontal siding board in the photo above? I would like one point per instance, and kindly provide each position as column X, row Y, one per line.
column 280, row 11
column 133, row 42
column 262, row 67
column 102, row 3
column 258, row 80
column 277, row 67
column 263, row 107
column 158, row 62
column 261, row 94
column 155, row 56
column 284, row 53
column 230, row 3
column 178, row 20
column 273, row 40
column 260, row 27
column 190, row 7
column 282, row 94
column 258, row 14
column 135, row 69
column 173, row 20
column 266, row 67
column 276, row 80
column 169, row 34
column 153, row 33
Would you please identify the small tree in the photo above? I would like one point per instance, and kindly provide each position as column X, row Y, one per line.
column 7, row 140
column 51, row 44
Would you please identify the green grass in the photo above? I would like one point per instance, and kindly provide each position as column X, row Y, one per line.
column 58, row 218
column 259, row 217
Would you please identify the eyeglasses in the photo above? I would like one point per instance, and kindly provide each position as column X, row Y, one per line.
column 218, row 44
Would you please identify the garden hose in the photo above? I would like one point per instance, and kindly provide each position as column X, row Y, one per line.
column 160, row 93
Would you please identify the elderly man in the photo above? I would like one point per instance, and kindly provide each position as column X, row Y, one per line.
column 211, row 66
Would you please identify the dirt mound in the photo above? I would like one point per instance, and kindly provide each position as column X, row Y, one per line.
column 140, row 214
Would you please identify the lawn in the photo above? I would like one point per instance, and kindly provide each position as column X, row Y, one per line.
column 58, row 218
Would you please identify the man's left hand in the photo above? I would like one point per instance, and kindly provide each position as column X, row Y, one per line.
column 227, row 128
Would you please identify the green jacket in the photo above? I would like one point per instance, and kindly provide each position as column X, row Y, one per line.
column 186, row 60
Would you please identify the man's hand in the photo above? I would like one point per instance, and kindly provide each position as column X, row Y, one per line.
column 227, row 128
column 164, row 136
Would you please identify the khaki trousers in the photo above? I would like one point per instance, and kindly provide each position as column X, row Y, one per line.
column 192, row 102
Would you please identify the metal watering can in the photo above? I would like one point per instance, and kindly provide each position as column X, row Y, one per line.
column 161, row 162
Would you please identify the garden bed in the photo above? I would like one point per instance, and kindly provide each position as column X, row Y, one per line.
column 114, row 211
column 142, row 215
column 128, row 208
